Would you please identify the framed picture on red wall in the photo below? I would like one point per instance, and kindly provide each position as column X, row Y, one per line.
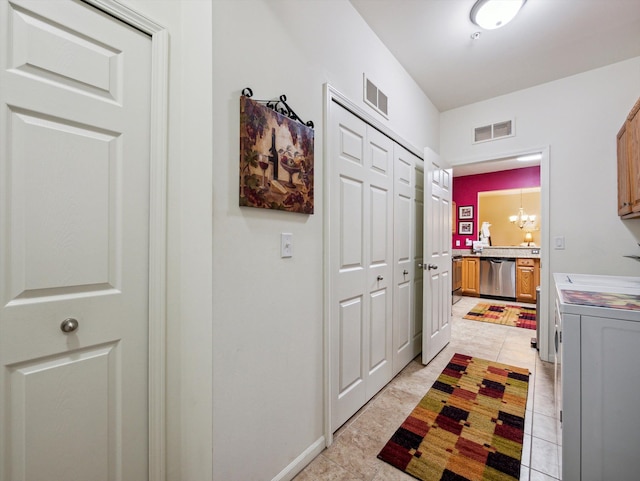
column 465, row 212
column 465, row 228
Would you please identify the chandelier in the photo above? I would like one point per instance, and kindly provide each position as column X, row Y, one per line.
column 521, row 219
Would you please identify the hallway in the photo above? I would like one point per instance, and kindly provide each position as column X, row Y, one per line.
column 352, row 456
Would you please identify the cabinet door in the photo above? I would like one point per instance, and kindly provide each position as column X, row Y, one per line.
column 633, row 158
column 526, row 280
column 624, row 198
column 471, row 276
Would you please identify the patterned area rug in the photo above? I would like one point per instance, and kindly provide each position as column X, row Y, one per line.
column 518, row 316
column 468, row 427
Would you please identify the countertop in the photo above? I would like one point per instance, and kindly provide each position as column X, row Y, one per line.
column 515, row 252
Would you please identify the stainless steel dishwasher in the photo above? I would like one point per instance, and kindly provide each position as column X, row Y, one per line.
column 498, row 277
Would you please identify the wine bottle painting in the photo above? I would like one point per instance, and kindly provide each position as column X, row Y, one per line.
column 276, row 160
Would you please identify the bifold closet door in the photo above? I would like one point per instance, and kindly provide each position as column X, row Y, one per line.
column 407, row 326
column 361, row 262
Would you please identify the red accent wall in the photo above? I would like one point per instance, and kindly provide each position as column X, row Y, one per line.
column 466, row 188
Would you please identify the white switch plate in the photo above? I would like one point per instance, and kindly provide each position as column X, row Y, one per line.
column 558, row 242
column 286, row 245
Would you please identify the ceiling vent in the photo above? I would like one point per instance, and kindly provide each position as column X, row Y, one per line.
column 496, row 131
column 374, row 97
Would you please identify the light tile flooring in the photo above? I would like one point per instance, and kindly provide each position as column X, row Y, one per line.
column 352, row 456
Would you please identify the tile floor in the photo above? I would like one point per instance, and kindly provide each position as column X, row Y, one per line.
column 352, row 456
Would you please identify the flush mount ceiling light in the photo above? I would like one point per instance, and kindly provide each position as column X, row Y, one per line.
column 492, row 14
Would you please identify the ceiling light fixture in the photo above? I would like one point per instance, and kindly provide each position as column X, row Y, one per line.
column 492, row 14
column 521, row 219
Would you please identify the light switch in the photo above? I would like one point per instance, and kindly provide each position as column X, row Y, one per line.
column 286, row 245
column 558, row 242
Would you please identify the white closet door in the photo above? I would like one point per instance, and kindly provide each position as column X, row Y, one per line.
column 405, row 331
column 418, row 257
column 437, row 257
column 361, row 262
column 74, row 231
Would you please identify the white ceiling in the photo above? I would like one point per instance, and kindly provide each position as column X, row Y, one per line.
column 548, row 40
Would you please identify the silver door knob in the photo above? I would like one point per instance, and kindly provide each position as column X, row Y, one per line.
column 380, row 278
column 432, row 266
column 69, row 325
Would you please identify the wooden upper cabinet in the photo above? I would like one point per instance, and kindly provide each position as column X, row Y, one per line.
column 628, row 147
column 633, row 143
column 624, row 192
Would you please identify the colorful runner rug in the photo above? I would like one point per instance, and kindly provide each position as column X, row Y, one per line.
column 468, row 427
column 518, row 316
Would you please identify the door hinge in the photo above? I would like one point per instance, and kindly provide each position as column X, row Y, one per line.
column 561, row 415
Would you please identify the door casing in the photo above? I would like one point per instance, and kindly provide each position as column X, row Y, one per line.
column 157, row 226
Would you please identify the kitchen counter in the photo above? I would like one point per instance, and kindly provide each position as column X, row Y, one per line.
column 514, row 252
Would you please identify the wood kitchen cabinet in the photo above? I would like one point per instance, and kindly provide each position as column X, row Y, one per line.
column 628, row 148
column 527, row 279
column 471, row 276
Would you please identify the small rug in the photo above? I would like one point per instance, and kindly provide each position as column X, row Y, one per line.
column 468, row 427
column 518, row 316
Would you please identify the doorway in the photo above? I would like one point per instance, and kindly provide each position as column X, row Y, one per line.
column 508, row 161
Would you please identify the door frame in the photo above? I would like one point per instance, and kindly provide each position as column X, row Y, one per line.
column 158, row 154
column 331, row 96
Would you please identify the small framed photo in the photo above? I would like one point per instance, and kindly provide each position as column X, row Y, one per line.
column 465, row 212
column 465, row 228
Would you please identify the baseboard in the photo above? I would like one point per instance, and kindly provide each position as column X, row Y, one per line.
column 298, row 464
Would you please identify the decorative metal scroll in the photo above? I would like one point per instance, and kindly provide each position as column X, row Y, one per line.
column 279, row 106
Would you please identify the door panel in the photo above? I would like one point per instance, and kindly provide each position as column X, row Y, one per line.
column 361, row 261
column 62, row 242
column 418, row 257
column 74, row 231
column 80, row 398
column 437, row 248
column 405, row 347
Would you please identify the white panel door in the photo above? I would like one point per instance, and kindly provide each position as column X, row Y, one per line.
column 361, row 254
column 74, row 235
column 418, row 256
column 405, row 333
column 437, row 257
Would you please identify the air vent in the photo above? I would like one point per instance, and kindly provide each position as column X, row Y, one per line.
column 376, row 98
column 495, row 131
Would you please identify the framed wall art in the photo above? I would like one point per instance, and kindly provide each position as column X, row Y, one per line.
column 465, row 228
column 465, row 212
column 276, row 160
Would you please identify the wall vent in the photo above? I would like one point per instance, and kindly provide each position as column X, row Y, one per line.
column 375, row 98
column 495, row 131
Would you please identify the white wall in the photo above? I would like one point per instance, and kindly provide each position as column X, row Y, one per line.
column 267, row 318
column 578, row 118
